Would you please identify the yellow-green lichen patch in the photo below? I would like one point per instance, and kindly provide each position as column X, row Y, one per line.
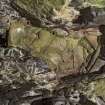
column 100, row 88
column 98, row 3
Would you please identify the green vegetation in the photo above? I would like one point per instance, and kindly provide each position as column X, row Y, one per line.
column 41, row 8
column 100, row 3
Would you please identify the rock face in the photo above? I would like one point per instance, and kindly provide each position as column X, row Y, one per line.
column 94, row 14
column 3, row 33
column 7, row 10
column 40, row 46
